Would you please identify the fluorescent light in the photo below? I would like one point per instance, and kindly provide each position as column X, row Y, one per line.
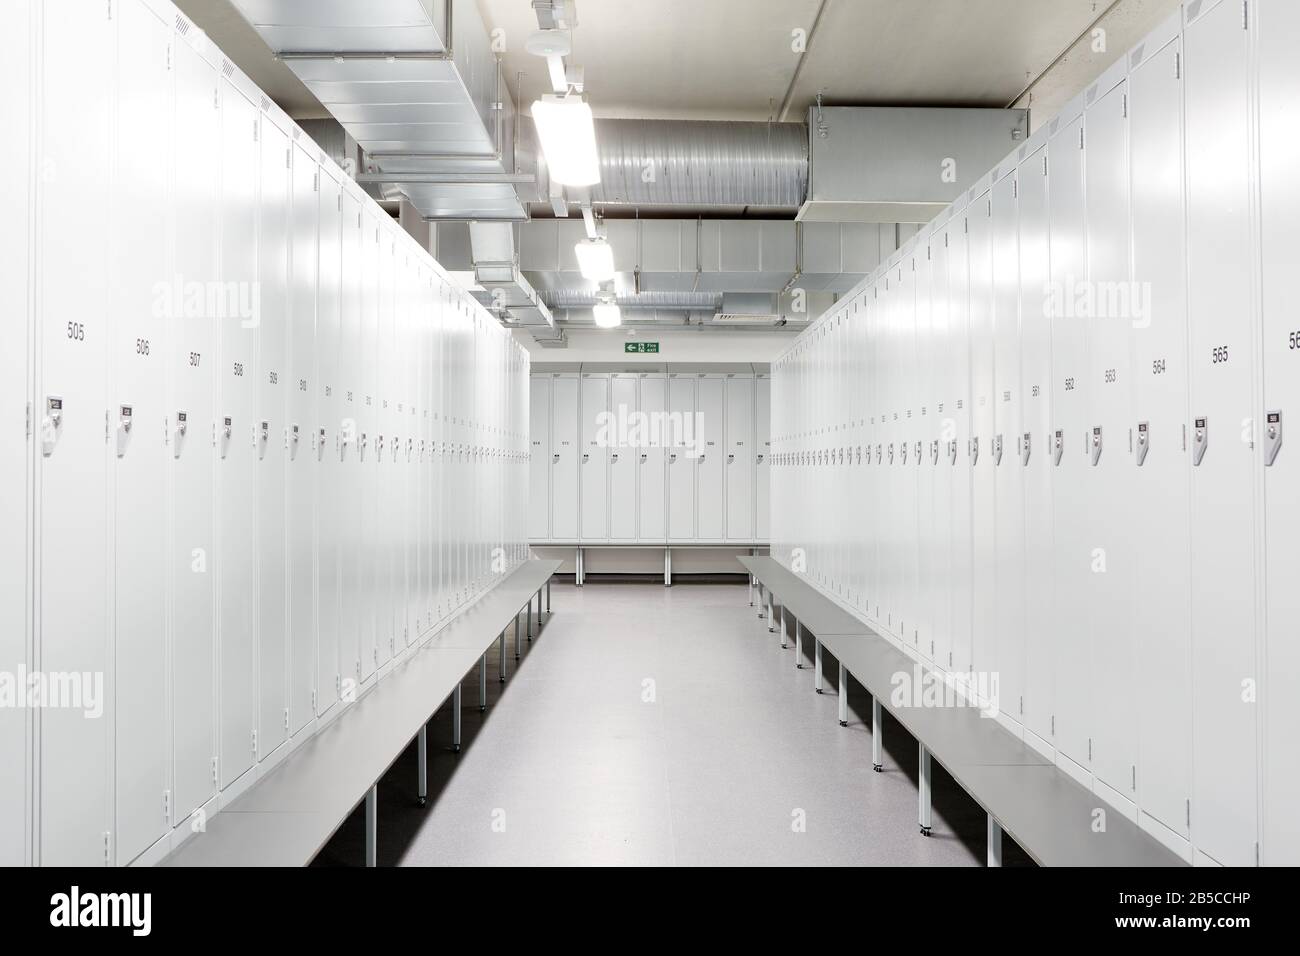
column 607, row 315
column 568, row 135
column 595, row 259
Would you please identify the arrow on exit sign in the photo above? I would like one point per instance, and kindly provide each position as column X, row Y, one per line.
column 641, row 347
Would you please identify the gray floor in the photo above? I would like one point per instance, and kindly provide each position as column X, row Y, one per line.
column 658, row 726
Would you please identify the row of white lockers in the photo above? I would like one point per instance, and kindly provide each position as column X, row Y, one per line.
column 270, row 446
column 1044, row 440
column 649, row 457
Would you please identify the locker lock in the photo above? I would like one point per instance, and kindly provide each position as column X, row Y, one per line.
column 918, row 452
column 1095, row 444
column 178, row 433
column 730, row 458
column 1058, row 446
column 859, row 450
column 891, row 452
column 293, row 442
column 1200, row 439
column 761, row 457
column 263, row 438
column 555, row 459
column 1024, row 449
column 1272, row 436
column 320, row 445
column 227, row 430
column 1143, row 442
column 891, row 457
column 123, row 429
column 974, row 449
column 410, row 443
column 934, row 452
column 997, row 449
column 952, row 452
column 613, row 457
column 361, row 447
column 52, row 426
column 585, row 457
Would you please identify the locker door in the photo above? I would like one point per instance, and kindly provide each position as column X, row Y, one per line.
column 1010, row 530
column 594, row 470
column 681, row 458
column 539, row 466
column 907, row 396
column 653, row 404
column 1280, row 209
column 1072, row 537
column 623, row 458
column 738, row 465
column 325, row 447
column 1161, row 553
column 564, row 458
column 386, row 446
column 237, row 395
column 301, row 506
column 272, row 331
column 1110, row 409
column 348, row 506
column 72, row 577
column 410, row 456
column 709, row 463
column 1033, row 444
column 983, row 428
column 15, row 385
column 1223, row 326
column 959, row 366
column 370, row 530
column 138, row 419
column 919, row 459
column 939, row 433
column 763, row 467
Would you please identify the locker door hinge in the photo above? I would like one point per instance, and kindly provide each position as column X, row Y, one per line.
column 1123, row 104
column 216, row 98
column 1245, row 25
column 286, row 158
column 215, row 778
column 1081, row 137
column 169, row 55
column 167, row 805
column 932, row 648
column 110, row 16
column 1015, row 188
column 254, row 742
column 1044, row 165
column 338, row 202
column 988, row 207
column 313, row 701
column 315, row 182
column 29, row 419
column 1189, row 813
column 965, row 224
column 286, row 718
column 1178, row 65
column 256, row 124
column 1135, row 778
column 1022, row 703
column 1089, row 748
column 108, row 847
column 945, row 245
column 1053, row 725
column 106, row 425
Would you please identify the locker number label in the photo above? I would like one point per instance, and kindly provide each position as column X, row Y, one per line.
column 195, row 358
column 1158, row 367
column 1111, row 375
column 1293, row 340
column 141, row 346
column 1219, row 354
column 77, row 331
column 239, row 369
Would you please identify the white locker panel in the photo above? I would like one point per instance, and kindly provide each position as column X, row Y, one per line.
column 272, row 439
column 1162, row 625
column 942, row 399
column 539, row 465
column 1110, row 429
column 594, row 470
column 325, row 445
column 682, row 454
column 1280, row 209
column 372, row 532
column 193, row 363
column 1033, row 443
column 1072, row 535
column 386, row 449
column 980, row 449
column 1222, row 320
column 623, row 458
column 920, row 460
column 763, row 465
column 710, row 462
column 301, row 481
column 138, row 422
column 347, row 512
column 237, row 395
column 959, row 412
column 651, row 491
column 907, row 394
column 564, row 458
column 15, row 384
column 71, row 412
column 738, row 460
column 1010, row 532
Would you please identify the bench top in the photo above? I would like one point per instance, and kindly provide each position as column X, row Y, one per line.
column 285, row 818
column 810, row 607
column 1044, row 810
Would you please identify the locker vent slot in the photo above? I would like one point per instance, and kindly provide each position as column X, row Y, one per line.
column 182, row 25
column 227, row 70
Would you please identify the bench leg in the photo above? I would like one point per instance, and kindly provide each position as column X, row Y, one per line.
column 528, row 618
column 503, row 654
column 482, row 683
column 762, row 599
column 995, row 842
column 798, row 645
column 518, row 635
column 782, row 630
column 876, row 763
column 455, row 719
column 817, row 665
column 750, row 583
column 844, row 697
column 372, row 826
column 548, row 599
column 422, row 774
column 923, row 789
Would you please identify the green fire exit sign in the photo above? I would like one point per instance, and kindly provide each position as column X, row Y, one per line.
column 641, row 347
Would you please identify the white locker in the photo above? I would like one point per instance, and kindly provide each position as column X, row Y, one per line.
column 1280, row 208
column 564, row 458
column 1220, row 240
column 907, row 395
column 1005, row 453
column 347, row 512
column 387, row 510
column 1162, row 624
column 651, row 491
column 374, row 603
column 623, row 459
column 301, row 481
column 1033, row 443
column 15, row 488
column 539, row 465
column 957, row 351
column 325, row 444
column 190, row 410
column 738, row 460
column 138, row 421
column 763, row 465
column 237, row 395
column 920, row 460
column 1111, row 474
column 983, row 428
column 682, row 454
column 709, row 464
column 941, row 427
column 594, row 471
column 272, row 439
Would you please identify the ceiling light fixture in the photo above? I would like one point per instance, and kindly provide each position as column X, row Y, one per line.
column 568, row 135
column 595, row 259
column 606, row 312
